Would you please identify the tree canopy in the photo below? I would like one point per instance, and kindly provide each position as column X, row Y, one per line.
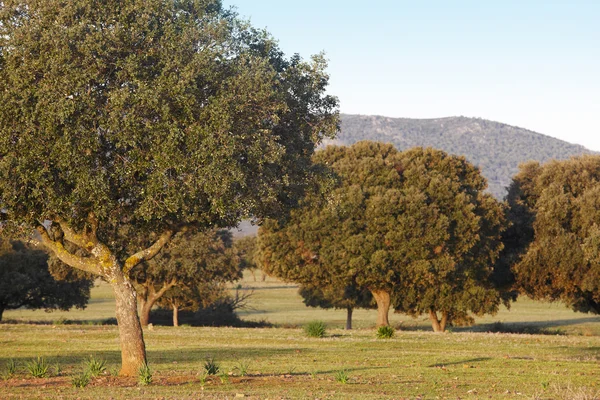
column 123, row 122
column 26, row 281
column 414, row 225
column 557, row 207
column 190, row 260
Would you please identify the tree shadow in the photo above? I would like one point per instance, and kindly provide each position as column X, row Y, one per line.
column 472, row 360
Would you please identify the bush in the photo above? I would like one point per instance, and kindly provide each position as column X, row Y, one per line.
column 385, row 332
column 94, row 366
column 315, row 329
column 211, row 367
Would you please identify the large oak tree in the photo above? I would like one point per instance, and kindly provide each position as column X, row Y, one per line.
column 555, row 208
column 415, row 228
column 150, row 114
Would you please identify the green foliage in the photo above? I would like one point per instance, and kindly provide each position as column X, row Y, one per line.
column 144, row 375
column 416, row 225
column 38, row 367
column 211, row 367
column 315, row 329
column 81, row 380
column 341, row 376
column 95, row 366
column 496, row 148
column 385, row 332
column 556, row 206
column 26, row 281
column 10, row 368
column 242, row 368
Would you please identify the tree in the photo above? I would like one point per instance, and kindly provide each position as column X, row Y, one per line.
column 340, row 297
column 556, row 206
column 192, row 297
column 26, row 281
column 414, row 227
column 191, row 259
column 127, row 121
column 246, row 246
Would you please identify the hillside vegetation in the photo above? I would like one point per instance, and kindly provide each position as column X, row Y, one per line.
column 495, row 147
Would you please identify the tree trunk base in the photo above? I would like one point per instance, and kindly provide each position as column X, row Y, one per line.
column 383, row 306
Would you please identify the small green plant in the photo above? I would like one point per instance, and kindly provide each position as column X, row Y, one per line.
column 144, row 375
column 242, row 368
column 224, row 377
column 57, row 369
column 341, row 376
column 202, row 378
column 81, row 380
column 545, row 384
column 11, row 368
column 95, row 366
column 38, row 368
column 385, row 332
column 211, row 366
column 315, row 329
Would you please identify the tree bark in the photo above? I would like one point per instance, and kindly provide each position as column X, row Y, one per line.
column 146, row 306
column 1, row 312
column 133, row 349
column 175, row 315
column 383, row 306
column 349, row 318
column 437, row 324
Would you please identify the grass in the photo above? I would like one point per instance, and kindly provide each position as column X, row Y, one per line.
column 284, row 363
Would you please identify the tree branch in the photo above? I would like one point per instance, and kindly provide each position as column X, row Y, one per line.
column 148, row 253
column 77, row 239
column 82, row 263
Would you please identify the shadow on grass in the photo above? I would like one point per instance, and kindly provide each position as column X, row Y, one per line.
column 472, row 360
column 530, row 327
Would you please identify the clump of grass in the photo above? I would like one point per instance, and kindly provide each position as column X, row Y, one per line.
column 315, row 329
column 38, row 368
column 81, row 380
column 341, row 376
column 211, row 367
column 57, row 369
column 11, row 368
column 202, row 378
column 242, row 367
column 385, row 332
column 224, row 377
column 144, row 375
column 95, row 366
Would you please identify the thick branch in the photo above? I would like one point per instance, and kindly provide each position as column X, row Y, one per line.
column 77, row 239
column 72, row 260
column 148, row 253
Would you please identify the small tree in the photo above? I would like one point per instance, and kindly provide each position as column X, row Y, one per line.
column 556, row 206
column 347, row 298
column 123, row 122
column 190, row 260
column 26, row 281
column 416, row 225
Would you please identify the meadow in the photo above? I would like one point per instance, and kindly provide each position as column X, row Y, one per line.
column 559, row 361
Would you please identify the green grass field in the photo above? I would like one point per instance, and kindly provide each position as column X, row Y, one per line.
column 283, row 363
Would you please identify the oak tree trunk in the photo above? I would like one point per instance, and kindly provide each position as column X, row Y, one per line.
column 1, row 312
column 437, row 324
column 175, row 316
column 383, row 306
column 349, row 318
column 133, row 349
column 146, row 307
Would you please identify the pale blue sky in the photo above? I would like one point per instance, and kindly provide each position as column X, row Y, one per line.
column 533, row 64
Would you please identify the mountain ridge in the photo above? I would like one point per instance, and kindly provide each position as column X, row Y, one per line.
column 495, row 147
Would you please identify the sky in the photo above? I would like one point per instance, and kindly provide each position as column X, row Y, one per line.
column 528, row 63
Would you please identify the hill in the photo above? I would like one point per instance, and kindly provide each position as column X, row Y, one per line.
column 496, row 148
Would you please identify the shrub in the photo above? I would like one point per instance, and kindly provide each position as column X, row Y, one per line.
column 11, row 368
column 385, row 332
column 315, row 329
column 38, row 368
column 242, row 367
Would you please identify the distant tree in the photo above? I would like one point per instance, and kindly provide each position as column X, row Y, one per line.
column 197, row 295
column 347, row 298
column 152, row 114
column 193, row 260
column 26, row 281
column 556, row 207
column 416, row 225
column 246, row 247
